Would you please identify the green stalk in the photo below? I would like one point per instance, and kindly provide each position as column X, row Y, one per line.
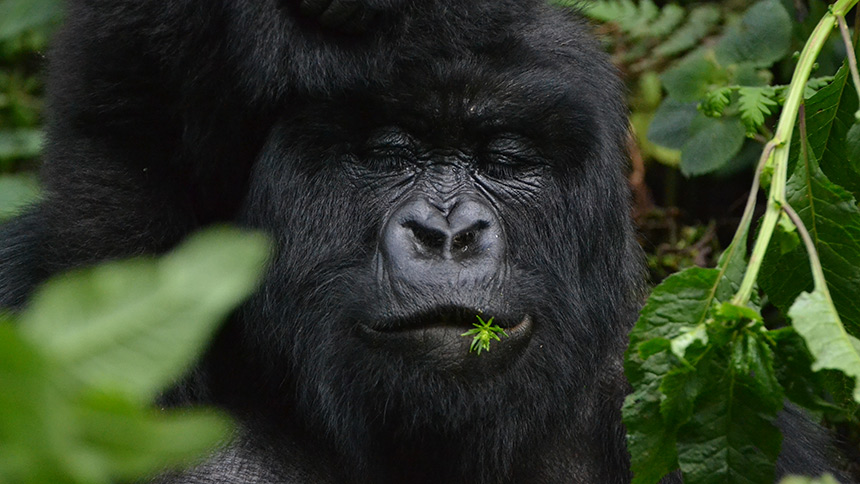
column 778, row 158
column 849, row 49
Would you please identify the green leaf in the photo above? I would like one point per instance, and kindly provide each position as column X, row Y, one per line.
column 712, row 144
column 52, row 430
column 650, row 441
column 484, row 332
column 788, row 239
column 34, row 420
column 693, row 77
column 715, row 102
column 18, row 16
column 831, row 215
column 815, row 318
column 136, row 325
column 829, row 118
column 802, row 385
column 701, row 20
column 20, row 143
column 129, row 442
column 16, row 191
column 681, row 302
column 852, row 148
column 670, row 17
column 761, row 37
column 640, row 25
column 713, row 396
column 756, row 104
column 666, row 338
column 730, row 437
column 619, row 11
column 670, row 126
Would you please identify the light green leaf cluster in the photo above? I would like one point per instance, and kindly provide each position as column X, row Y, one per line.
column 82, row 364
column 755, row 103
column 484, row 332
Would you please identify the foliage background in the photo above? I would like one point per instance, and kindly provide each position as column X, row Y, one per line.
column 710, row 365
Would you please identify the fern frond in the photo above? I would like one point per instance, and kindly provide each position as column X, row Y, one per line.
column 755, row 105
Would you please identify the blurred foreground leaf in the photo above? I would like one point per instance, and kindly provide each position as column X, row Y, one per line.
column 16, row 191
column 19, row 16
column 20, row 143
column 81, row 366
column 134, row 325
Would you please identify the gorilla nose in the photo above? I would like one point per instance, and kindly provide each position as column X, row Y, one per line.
column 428, row 241
column 437, row 238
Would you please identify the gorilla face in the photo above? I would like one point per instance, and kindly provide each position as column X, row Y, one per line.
column 401, row 215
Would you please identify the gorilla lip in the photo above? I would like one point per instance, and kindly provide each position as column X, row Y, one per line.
column 456, row 318
column 439, row 334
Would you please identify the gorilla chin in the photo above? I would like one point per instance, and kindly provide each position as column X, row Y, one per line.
column 436, row 338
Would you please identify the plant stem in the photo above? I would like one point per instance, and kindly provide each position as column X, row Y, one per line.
column 817, row 271
column 812, row 253
column 746, row 219
column 849, row 49
column 778, row 159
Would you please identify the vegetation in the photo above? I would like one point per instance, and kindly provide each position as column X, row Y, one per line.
column 25, row 27
column 484, row 332
column 81, row 366
column 709, row 371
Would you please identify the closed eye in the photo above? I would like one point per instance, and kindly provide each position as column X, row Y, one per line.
column 388, row 149
column 506, row 156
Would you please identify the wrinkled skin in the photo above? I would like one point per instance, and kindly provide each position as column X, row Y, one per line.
column 410, row 183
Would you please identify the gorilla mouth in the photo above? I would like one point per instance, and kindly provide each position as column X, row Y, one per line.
column 438, row 336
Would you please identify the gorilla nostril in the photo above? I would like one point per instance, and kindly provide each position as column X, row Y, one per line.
column 467, row 238
column 463, row 241
column 429, row 238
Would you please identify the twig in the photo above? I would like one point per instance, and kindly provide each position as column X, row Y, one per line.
column 849, row 49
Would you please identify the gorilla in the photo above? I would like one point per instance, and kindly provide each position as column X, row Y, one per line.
column 417, row 164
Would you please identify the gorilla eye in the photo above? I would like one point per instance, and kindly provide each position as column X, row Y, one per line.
column 509, row 155
column 389, row 149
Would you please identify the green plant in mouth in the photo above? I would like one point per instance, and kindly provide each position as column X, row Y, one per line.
column 484, row 332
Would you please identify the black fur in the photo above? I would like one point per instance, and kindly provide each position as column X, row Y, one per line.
column 449, row 159
column 159, row 108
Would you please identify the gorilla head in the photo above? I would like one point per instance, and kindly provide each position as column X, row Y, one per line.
column 486, row 185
